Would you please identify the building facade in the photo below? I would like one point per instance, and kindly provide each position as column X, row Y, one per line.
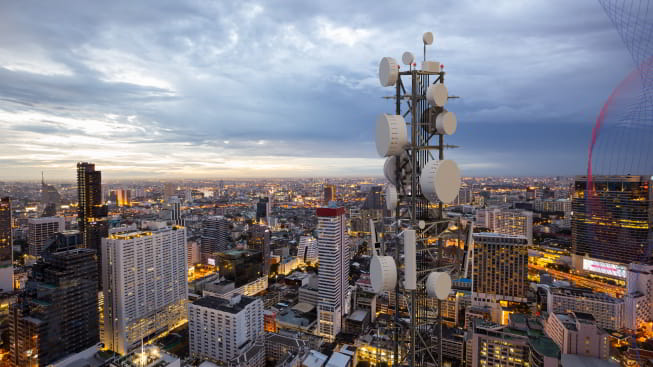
column 307, row 250
column 612, row 218
column 216, row 234
column 6, row 246
column 92, row 215
column 56, row 315
column 607, row 311
column 333, row 277
column 146, row 287
column 221, row 329
column 513, row 222
column 577, row 333
column 40, row 230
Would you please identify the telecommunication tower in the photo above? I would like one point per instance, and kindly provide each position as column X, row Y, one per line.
column 419, row 186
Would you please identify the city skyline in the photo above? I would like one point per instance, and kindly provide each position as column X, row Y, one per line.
column 158, row 90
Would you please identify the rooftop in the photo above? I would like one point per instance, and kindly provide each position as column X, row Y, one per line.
column 224, row 305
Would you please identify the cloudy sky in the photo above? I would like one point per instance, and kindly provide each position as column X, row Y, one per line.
column 169, row 88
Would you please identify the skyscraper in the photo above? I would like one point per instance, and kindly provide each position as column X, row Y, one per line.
column 612, row 220
column 92, row 212
column 175, row 209
column 500, row 272
column 333, row 278
column 329, row 194
column 263, row 210
column 40, row 230
column 145, row 284
column 57, row 313
column 259, row 240
column 215, row 237
column 6, row 249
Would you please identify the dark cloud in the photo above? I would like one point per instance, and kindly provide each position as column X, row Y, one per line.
column 297, row 79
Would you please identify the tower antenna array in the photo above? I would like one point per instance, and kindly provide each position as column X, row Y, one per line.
column 419, row 185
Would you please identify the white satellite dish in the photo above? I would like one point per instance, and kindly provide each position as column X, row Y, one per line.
column 388, row 71
column 438, row 285
column 446, row 123
column 421, row 224
column 428, row 38
column 390, row 169
column 391, row 136
column 437, row 94
column 408, row 58
column 383, row 274
column 391, row 198
column 440, row 181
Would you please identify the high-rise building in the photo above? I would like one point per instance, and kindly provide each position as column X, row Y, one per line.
column 215, row 237
column 6, row 246
column 374, row 199
column 145, row 284
column 307, row 250
column 169, row 190
column 263, row 210
column 333, row 278
column 223, row 330
column 259, row 240
column 49, row 194
column 507, row 221
column 40, row 230
column 329, row 194
column 175, row 209
column 92, row 212
column 57, row 313
column 500, row 272
column 123, row 197
column 606, row 310
column 612, row 220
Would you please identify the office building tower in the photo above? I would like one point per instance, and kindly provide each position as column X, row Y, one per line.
column 49, row 194
column 40, row 230
column 123, row 197
column 514, row 222
column 374, row 199
column 517, row 345
column 578, row 333
column 6, row 246
column 92, row 212
column 259, row 240
column 223, row 330
column 606, row 310
column 329, row 194
column 188, row 195
column 333, row 278
column 56, row 315
column 263, row 211
column 215, row 237
column 307, row 250
column 175, row 210
column 145, row 284
column 169, row 190
column 612, row 220
column 500, row 273
column 194, row 257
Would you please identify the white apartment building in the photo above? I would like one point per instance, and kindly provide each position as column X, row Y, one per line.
column 145, row 277
column 639, row 299
column 222, row 330
column 607, row 311
column 40, row 230
column 333, row 277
